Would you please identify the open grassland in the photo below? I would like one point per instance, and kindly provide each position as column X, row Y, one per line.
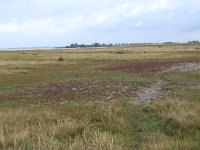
column 180, row 52
column 86, row 100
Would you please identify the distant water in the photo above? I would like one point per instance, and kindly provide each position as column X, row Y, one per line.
column 30, row 48
column 43, row 48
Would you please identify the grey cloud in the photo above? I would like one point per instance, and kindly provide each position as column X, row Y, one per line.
column 56, row 23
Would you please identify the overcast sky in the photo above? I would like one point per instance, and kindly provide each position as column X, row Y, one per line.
column 28, row 23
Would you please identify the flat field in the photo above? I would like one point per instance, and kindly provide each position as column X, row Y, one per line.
column 145, row 97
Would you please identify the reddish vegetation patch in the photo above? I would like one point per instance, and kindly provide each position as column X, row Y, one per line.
column 1, row 98
column 141, row 68
column 92, row 90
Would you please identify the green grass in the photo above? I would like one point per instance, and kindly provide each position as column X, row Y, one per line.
column 165, row 125
column 191, row 95
column 187, row 77
column 184, row 85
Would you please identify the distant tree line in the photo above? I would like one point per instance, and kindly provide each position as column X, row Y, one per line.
column 193, row 42
column 76, row 45
column 96, row 44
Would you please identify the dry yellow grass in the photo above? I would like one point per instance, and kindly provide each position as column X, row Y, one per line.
column 159, row 141
column 60, row 128
column 129, row 53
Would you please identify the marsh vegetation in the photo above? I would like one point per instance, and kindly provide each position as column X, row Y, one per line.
column 85, row 99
